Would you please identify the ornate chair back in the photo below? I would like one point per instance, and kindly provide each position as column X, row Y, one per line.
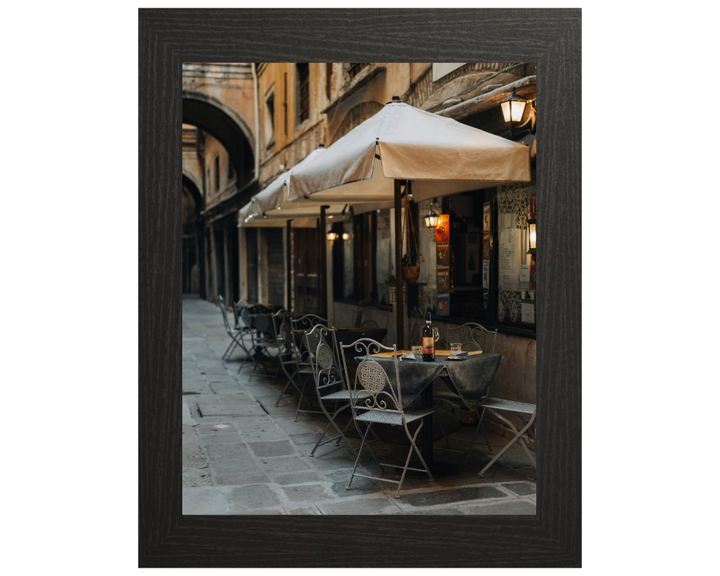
column 323, row 359
column 224, row 314
column 370, row 378
column 472, row 336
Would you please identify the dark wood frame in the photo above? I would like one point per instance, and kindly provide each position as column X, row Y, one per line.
column 549, row 37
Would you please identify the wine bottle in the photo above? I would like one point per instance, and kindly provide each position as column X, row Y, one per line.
column 428, row 337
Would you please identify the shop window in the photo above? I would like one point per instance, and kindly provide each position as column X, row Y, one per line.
column 516, row 283
column 477, row 266
column 303, row 91
column 269, row 121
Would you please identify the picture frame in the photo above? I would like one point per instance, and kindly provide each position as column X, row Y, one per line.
column 549, row 37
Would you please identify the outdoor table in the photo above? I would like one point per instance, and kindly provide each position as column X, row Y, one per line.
column 470, row 378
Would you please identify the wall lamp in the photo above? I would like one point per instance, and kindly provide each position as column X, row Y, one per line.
column 513, row 108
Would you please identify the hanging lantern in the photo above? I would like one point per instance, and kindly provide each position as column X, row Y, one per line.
column 513, row 107
column 345, row 236
column 431, row 219
column 332, row 236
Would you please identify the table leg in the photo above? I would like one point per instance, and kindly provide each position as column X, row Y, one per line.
column 426, row 434
column 438, row 469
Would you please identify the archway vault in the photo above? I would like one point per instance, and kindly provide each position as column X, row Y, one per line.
column 224, row 123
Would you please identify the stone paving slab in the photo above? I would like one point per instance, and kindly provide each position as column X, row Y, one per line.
column 227, row 451
column 520, row 488
column 284, row 464
column 282, row 448
column 307, row 493
column 299, row 477
column 235, row 466
column 204, row 500
column 366, row 505
column 231, row 409
column 252, row 497
column 510, row 508
column 451, row 495
column 242, row 479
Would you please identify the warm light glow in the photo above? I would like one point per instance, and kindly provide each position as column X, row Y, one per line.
column 431, row 219
column 532, row 233
column 331, row 236
column 345, row 236
column 513, row 107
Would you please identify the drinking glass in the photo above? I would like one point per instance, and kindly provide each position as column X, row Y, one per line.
column 455, row 347
column 417, row 351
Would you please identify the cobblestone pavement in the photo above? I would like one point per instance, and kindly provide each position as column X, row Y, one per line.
column 243, row 455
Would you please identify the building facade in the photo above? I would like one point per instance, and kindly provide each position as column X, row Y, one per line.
column 285, row 111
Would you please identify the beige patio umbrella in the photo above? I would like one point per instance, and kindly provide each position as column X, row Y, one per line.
column 439, row 155
column 271, row 208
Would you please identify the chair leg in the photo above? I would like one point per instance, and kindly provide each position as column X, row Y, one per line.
column 357, row 459
column 518, row 436
column 225, row 354
column 341, row 434
column 414, row 447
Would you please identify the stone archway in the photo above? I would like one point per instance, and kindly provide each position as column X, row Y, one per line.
column 356, row 116
column 193, row 241
column 224, row 123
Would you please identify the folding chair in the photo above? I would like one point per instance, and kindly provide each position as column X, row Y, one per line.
column 234, row 333
column 495, row 405
column 263, row 340
column 306, row 348
column 288, row 352
column 470, row 336
column 382, row 407
column 243, row 332
column 329, row 384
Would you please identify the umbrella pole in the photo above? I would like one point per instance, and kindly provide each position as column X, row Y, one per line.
column 323, row 261
column 400, row 317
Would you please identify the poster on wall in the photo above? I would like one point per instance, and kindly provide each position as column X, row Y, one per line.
column 486, row 246
column 509, row 258
column 527, row 306
column 486, row 217
column 443, row 279
column 443, row 255
column 442, row 230
column 486, row 274
column 443, row 304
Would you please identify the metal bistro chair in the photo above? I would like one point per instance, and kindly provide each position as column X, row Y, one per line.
column 263, row 340
column 329, row 384
column 306, row 349
column 383, row 406
column 234, row 333
column 243, row 332
column 288, row 351
column 471, row 336
column 495, row 405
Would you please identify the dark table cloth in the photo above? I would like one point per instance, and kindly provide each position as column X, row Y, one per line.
column 470, row 377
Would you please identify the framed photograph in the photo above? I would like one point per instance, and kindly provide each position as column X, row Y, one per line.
column 170, row 39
